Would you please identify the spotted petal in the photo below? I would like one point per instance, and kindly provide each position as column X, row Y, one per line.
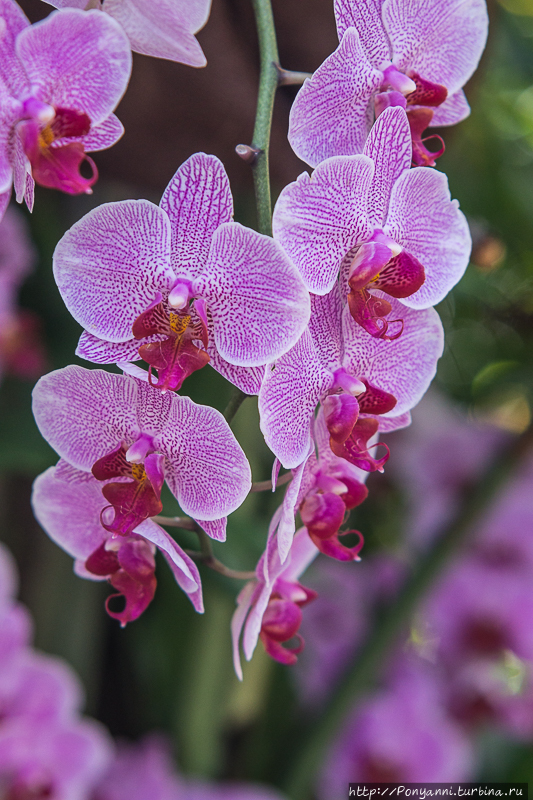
column 258, row 302
column 389, row 146
column 332, row 112
column 91, row 69
column 442, row 42
column 12, row 73
column 454, row 109
column 291, row 390
column 428, row 223
column 110, row 266
column 404, row 367
column 365, row 15
column 318, row 219
column 197, row 200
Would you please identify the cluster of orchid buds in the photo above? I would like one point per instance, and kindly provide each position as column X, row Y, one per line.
column 330, row 321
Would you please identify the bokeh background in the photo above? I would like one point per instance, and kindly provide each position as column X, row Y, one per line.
column 171, row 670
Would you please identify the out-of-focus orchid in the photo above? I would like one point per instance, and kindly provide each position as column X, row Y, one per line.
column 417, row 55
column 354, row 376
column 164, row 29
column 21, row 349
column 60, row 80
column 401, row 734
column 383, row 225
column 69, row 505
column 144, row 771
column 133, row 438
column 148, row 282
column 269, row 606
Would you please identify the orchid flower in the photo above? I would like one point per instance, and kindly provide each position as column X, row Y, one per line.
column 69, row 505
column 269, row 606
column 364, row 383
column 60, row 80
column 164, row 29
column 133, row 437
column 388, row 227
column 156, row 282
column 417, row 54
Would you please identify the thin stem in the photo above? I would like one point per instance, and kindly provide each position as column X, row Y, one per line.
column 372, row 657
column 236, row 400
column 216, row 565
column 264, row 486
column 268, row 83
column 185, row 523
column 287, row 77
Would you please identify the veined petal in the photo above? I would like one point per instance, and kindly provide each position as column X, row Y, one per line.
column 404, row 367
column 332, row 112
column 91, row 70
column 325, row 327
column 68, row 508
column 197, row 200
column 244, row 603
column 84, row 414
column 303, row 553
column 104, row 135
column 101, row 352
column 365, row 15
column 293, row 495
column 292, row 388
column 161, row 29
column 441, row 41
column 206, row 469
column 247, row 379
column 424, row 220
column 4, row 202
column 258, row 302
column 319, row 218
column 389, row 146
column 454, row 109
column 12, row 72
column 110, row 266
column 215, row 528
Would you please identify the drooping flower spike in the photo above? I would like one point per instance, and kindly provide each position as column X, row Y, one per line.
column 157, row 282
column 60, row 81
column 414, row 54
column 164, row 29
column 269, row 606
column 364, row 383
column 133, row 437
column 69, row 505
column 386, row 226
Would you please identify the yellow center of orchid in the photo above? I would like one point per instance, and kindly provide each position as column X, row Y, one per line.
column 179, row 324
column 138, row 472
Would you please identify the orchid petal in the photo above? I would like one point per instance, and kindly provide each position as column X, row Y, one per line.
column 197, row 200
column 12, row 72
column 247, row 379
column 389, row 147
column 318, row 219
column 303, row 553
column 404, row 367
column 332, row 113
column 101, row 352
column 207, row 471
column 244, row 602
column 258, row 302
column 104, row 135
column 159, row 30
column 215, row 528
column 424, row 220
column 291, row 390
column 296, row 489
column 4, row 202
column 325, row 327
column 454, row 109
column 441, row 42
column 365, row 16
column 89, row 72
column 71, row 415
column 111, row 264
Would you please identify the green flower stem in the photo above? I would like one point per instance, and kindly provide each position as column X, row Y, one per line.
column 362, row 674
column 268, row 83
column 236, row 400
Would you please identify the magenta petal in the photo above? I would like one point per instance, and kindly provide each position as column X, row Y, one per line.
column 340, row 415
column 454, row 109
column 319, row 219
column 366, row 17
column 428, row 223
column 215, row 528
column 442, row 43
column 71, row 415
column 258, row 302
column 89, row 73
column 291, row 390
column 401, row 277
column 69, row 508
column 247, row 379
column 332, row 112
column 244, row 602
column 389, row 147
column 101, row 352
column 322, row 514
column 104, row 135
column 12, row 73
column 111, row 264
column 206, row 469
column 197, row 200
column 405, row 367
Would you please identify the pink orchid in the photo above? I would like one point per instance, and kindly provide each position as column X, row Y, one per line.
column 181, row 284
column 60, row 80
column 69, row 505
column 409, row 53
